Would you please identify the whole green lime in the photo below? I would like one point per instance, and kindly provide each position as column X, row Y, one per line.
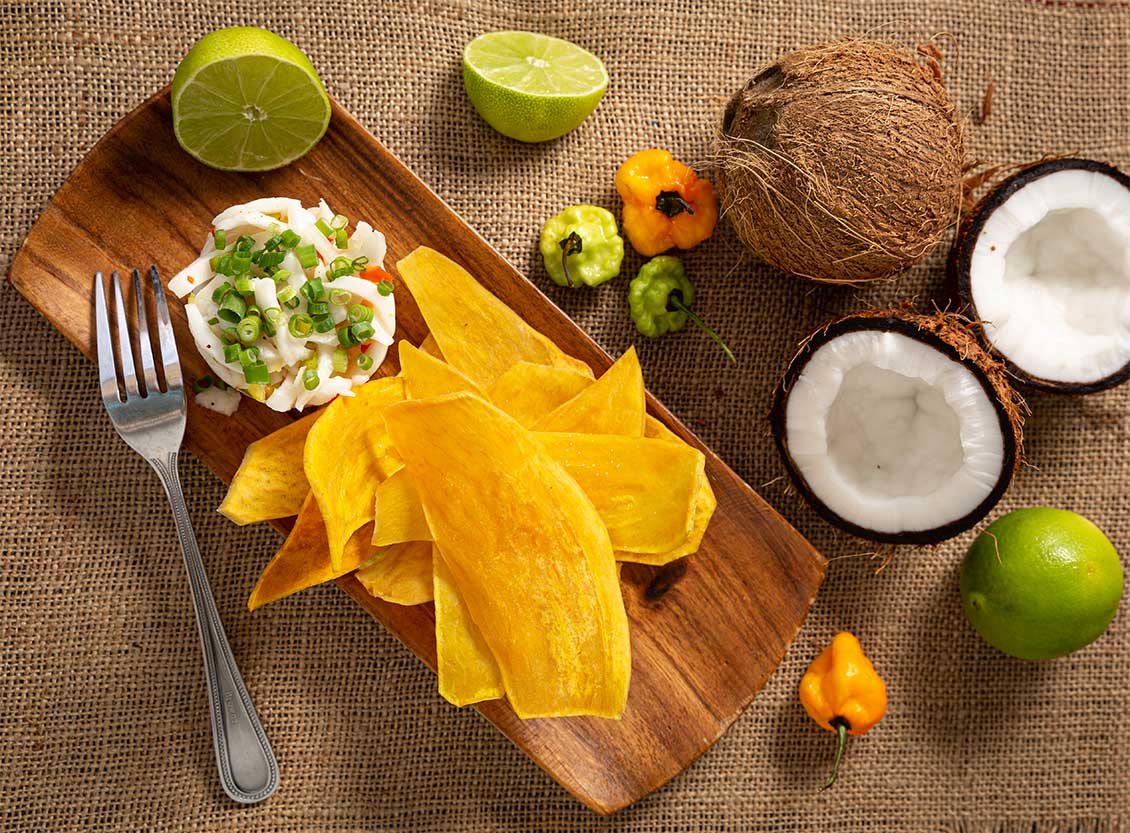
column 529, row 86
column 245, row 99
column 1040, row 583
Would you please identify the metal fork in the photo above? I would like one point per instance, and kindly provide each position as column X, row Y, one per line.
column 152, row 421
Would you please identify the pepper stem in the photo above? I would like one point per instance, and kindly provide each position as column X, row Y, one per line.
column 675, row 300
column 571, row 245
column 841, row 727
column 672, row 203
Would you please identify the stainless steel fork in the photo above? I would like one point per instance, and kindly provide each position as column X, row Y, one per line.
column 151, row 421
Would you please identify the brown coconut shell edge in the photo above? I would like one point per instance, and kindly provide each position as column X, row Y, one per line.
column 951, row 335
column 960, row 286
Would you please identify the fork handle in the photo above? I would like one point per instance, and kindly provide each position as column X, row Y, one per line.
column 248, row 770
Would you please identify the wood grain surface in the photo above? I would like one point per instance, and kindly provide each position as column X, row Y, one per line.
column 707, row 631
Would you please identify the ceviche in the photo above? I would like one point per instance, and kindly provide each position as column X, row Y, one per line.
column 286, row 305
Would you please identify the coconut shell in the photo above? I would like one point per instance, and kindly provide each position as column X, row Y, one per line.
column 842, row 162
column 953, row 336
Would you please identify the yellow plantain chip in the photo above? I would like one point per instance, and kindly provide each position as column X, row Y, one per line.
column 425, row 376
column 705, row 503
column 399, row 515
column 645, row 490
column 347, row 454
column 478, row 334
column 270, row 482
column 304, row 559
column 527, row 550
column 613, row 404
column 468, row 671
column 402, row 575
column 658, row 431
column 530, row 391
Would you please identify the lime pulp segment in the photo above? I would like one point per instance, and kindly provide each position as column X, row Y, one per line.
column 536, row 64
column 251, row 112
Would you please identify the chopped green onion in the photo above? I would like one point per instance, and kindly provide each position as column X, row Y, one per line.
column 249, row 329
column 257, row 374
column 340, row 297
column 280, row 276
column 212, row 322
column 220, row 238
column 221, row 384
column 248, row 356
column 300, row 325
column 269, row 260
column 270, row 328
column 224, row 265
column 220, row 291
column 243, row 285
column 311, row 363
column 254, row 310
column 363, row 331
column 292, row 302
column 385, row 288
column 272, row 243
column 307, row 255
column 313, row 289
column 347, row 338
column 359, row 263
column 310, row 379
column 232, row 308
column 290, row 239
column 203, row 383
column 364, row 361
column 274, row 228
column 318, row 308
column 323, row 323
column 341, row 239
column 231, row 353
column 339, row 222
column 324, row 228
column 341, row 266
column 359, row 312
column 287, row 294
column 228, row 335
column 241, row 262
column 244, row 243
column 273, row 314
column 214, row 262
column 340, row 360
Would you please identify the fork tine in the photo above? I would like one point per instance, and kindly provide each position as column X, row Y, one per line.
column 166, row 340
column 143, row 336
column 125, row 352
column 107, row 375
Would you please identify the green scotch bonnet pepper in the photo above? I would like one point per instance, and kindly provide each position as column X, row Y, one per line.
column 582, row 245
column 660, row 297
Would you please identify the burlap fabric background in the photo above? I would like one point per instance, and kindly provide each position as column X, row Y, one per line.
column 103, row 722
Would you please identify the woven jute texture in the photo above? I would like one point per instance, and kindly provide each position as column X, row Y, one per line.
column 103, row 718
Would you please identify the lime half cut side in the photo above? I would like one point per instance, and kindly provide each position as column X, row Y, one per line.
column 532, row 87
column 245, row 99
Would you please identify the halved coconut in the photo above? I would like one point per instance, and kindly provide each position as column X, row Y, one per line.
column 898, row 427
column 1043, row 263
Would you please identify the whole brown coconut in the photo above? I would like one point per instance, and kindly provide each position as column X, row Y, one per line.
column 842, row 162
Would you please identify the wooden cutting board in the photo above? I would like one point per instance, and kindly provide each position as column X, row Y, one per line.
column 707, row 631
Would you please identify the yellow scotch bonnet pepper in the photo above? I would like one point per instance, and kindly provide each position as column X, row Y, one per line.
column 843, row 693
column 666, row 205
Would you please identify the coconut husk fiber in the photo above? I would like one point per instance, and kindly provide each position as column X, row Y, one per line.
column 103, row 713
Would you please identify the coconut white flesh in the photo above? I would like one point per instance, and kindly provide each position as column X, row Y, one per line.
column 1050, row 276
column 891, row 434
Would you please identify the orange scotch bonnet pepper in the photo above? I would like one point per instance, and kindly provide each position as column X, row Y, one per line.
column 665, row 203
column 843, row 693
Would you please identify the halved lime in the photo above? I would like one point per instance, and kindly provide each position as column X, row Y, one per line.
column 245, row 99
column 532, row 87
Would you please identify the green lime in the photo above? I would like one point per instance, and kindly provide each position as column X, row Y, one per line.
column 532, row 87
column 245, row 99
column 1040, row 583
